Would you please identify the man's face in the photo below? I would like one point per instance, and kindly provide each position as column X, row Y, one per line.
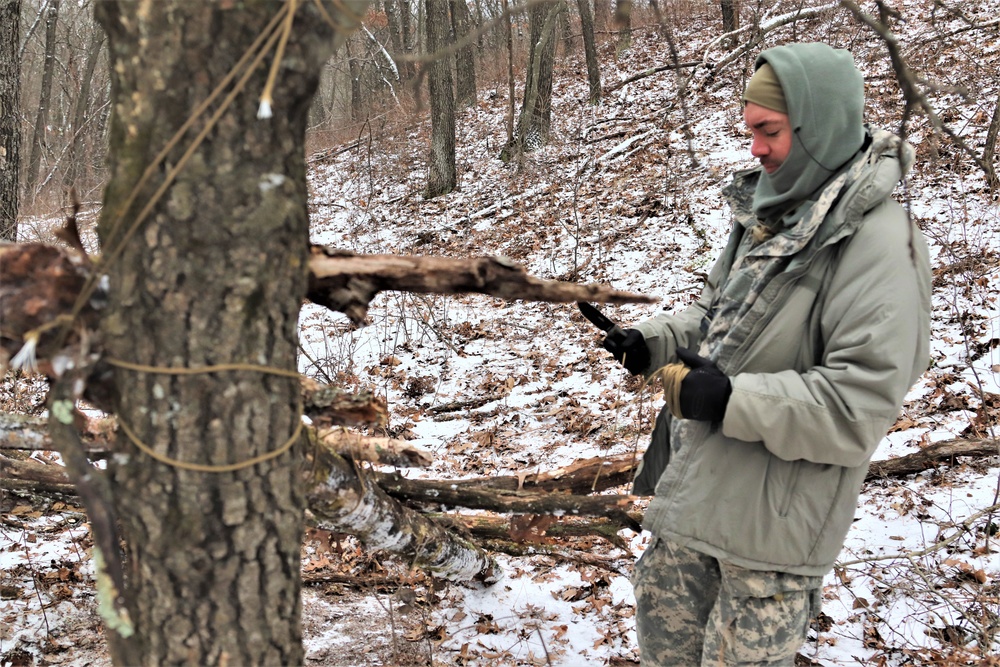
column 772, row 135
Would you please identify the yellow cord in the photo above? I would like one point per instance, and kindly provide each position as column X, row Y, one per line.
column 202, row 467
column 218, row 368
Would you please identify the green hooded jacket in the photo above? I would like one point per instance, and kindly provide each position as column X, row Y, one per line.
column 828, row 350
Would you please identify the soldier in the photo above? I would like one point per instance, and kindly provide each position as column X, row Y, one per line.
column 782, row 378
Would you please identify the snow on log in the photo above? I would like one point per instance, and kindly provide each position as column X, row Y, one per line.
column 343, row 499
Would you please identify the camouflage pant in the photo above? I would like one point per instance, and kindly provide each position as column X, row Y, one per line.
column 692, row 610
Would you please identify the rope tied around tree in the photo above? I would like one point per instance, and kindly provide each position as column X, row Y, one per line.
column 218, row 368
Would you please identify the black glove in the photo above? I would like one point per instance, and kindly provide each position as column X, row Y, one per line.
column 705, row 389
column 631, row 346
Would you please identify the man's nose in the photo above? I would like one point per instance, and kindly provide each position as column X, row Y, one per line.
column 759, row 148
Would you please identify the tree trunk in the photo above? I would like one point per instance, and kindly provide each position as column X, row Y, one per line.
column 80, row 111
column 397, row 39
column 354, row 70
column 215, row 273
column 590, row 49
column 10, row 115
column 536, row 109
column 465, row 57
column 623, row 21
column 602, row 14
column 44, row 100
column 991, row 135
column 441, row 172
column 730, row 15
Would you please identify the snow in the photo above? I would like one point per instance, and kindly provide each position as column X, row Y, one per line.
column 635, row 213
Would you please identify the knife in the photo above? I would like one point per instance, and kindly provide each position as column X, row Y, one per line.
column 600, row 320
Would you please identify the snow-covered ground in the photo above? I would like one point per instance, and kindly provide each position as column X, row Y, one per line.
column 622, row 196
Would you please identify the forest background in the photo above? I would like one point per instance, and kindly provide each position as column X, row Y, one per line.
column 588, row 144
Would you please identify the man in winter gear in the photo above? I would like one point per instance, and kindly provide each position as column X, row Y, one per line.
column 783, row 377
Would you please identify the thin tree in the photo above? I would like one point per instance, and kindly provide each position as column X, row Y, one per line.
column 536, row 109
column 10, row 114
column 441, row 171
column 83, row 99
column 465, row 57
column 205, row 233
column 590, row 50
column 44, row 99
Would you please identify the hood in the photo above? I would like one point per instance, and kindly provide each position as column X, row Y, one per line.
column 825, row 96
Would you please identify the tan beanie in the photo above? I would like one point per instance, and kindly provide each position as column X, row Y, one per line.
column 765, row 89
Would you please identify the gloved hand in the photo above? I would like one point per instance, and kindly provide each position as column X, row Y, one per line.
column 631, row 347
column 705, row 390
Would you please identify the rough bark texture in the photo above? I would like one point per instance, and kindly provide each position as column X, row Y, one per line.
column 214, row 274
column 441, row 172
column 10, row 126
column 42, row 115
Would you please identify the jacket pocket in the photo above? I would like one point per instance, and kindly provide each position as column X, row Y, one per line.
column 792, row 486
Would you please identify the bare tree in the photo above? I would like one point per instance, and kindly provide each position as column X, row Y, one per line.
column 10, row 114
column 45, row 97
column 441, row 172
column 730, row 15
column 536, row 110
column 83, row 100
column 590, row 49
column 465, row 57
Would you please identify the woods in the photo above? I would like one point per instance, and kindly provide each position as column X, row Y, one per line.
column 183, row 315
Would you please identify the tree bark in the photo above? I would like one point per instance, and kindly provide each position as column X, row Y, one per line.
column 590, row 50
column 465, row 57
column 45, row 98
column 441, row 172
column 536, row 108
column 215, row 273
column 10, row 115
column 342, row 499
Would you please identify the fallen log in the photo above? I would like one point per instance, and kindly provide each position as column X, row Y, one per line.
column 342, row 499
column 448, row 494
column 932, row 456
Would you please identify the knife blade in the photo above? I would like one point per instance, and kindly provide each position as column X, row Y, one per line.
column 600, row 320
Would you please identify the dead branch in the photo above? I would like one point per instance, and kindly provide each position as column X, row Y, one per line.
column 347, row 282
column 931, row 456
column 40, row 285
column 914, row 98
column 449, row 494
column 384, row 451
column 529, row 529
column 650, row 72
column 328, row 406
column 801, row 14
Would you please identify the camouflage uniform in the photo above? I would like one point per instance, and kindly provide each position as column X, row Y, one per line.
column 692, row 609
